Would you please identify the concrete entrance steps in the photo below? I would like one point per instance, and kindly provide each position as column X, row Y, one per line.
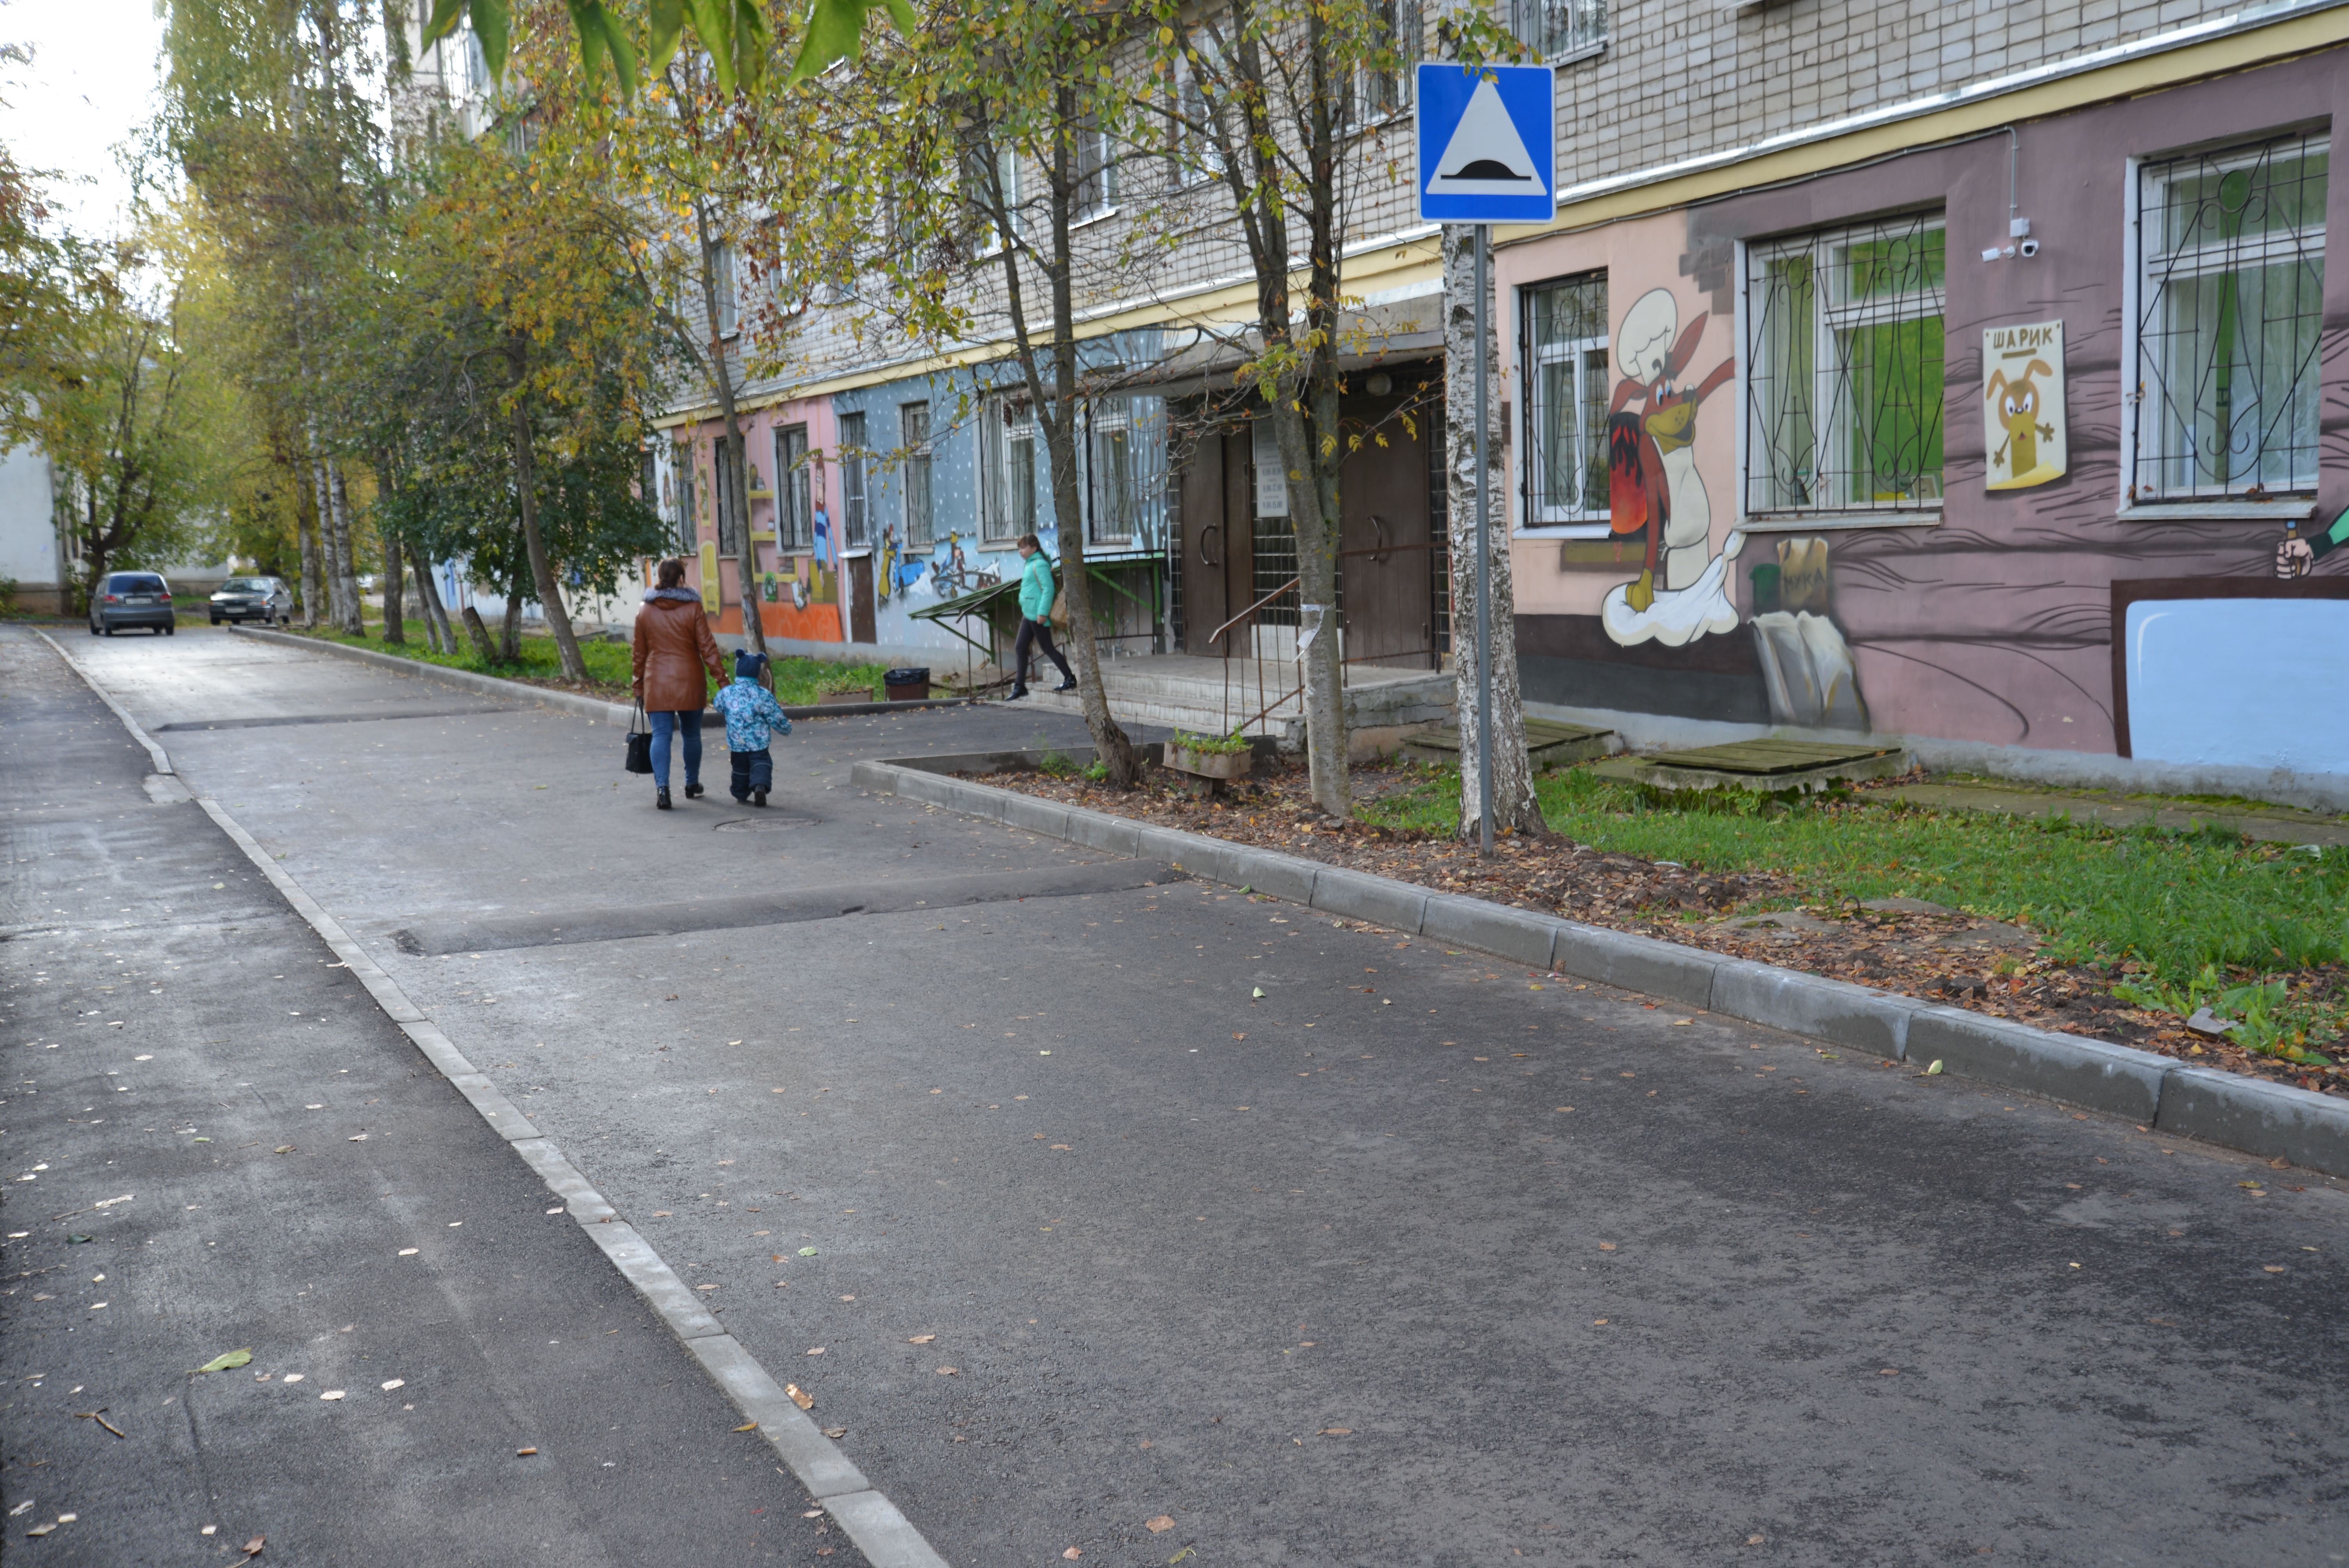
column 1182, row 691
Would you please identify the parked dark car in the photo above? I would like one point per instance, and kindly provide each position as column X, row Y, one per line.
column 131, row 598
column 264, row 599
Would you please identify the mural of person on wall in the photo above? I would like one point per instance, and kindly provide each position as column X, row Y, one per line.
column 1654, row 483
column 2295, row 556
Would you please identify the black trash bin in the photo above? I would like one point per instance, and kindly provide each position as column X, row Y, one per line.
column 908, row 685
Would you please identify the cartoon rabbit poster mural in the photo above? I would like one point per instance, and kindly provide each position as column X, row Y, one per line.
column 2023, row 405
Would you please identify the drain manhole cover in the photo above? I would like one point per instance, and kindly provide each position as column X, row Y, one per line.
column 768, row 823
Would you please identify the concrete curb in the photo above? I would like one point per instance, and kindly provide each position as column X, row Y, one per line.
column 590, row 707
column 161, row 759
column 2244, row 1113
column 870, row 1519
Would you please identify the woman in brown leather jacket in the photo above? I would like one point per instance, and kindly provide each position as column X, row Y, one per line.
column 673, row 648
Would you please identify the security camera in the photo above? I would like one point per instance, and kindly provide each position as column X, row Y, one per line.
column 2029, row 247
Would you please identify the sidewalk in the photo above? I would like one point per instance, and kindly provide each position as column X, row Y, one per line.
column 217, row 1142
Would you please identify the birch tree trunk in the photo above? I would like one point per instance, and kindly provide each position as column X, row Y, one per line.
column 394, row 588
column 437, row 630
column 353, row 617
column 733, row 481
column 330, row 569
column 1514, row 806
column 1320, row 650
column 542, row 570
column 305, row 531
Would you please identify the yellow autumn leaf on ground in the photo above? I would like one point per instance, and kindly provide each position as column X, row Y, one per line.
column 804, row 1400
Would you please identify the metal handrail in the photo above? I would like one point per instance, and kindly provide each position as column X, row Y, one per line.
column 1217, row 635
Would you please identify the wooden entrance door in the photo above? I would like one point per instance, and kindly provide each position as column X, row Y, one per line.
column 859, row 583
column 1218, row 541
column 1384, row 532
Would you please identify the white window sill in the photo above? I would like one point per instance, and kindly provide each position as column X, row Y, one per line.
column 1598, row 530
column 1576, row 57
column 1089, row 218
column 2284, row 509
column 1820, row 522
column 997, row 546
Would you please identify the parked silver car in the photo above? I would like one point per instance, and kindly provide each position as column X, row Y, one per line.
column 264, row 599
column 131, row 598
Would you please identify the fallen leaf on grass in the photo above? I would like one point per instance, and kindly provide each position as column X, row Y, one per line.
column 807, row 1252
column 332, row 1394
column 1335, row 1432
column 949, row 1371
column 747, row 1426
column 1158, row 1526
column 1072, row 1553
column 1258, row 992
column 1605, row 1246
column 252, row 1547
column 921, row 1339
column 835, row 1432
column 799, row 1396
column 283, row 1148
column 226, row 1363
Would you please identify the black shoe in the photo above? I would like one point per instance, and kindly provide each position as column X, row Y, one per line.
column 758, row 798
column 1066, row 686
column 660, row 801
column 693, row 792
column 1016, row 693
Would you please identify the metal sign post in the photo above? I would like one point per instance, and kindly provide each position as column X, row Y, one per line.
column 1488, row 151
column 1483, row 559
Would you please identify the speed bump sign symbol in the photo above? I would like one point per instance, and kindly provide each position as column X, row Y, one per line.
column 1487, row 144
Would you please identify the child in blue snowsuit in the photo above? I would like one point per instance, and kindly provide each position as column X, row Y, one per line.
column 751, row 714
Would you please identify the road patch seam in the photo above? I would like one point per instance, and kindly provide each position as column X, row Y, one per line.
column 879, row 1529
column 2248, row 1114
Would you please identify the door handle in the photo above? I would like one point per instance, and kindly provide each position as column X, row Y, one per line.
column 1379, row 552
column 1217, row 530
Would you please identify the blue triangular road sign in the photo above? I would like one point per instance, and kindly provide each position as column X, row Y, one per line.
column 1487, row 144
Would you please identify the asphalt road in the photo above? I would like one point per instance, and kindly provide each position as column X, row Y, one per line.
column 215, row 1142
column 1102, row 1237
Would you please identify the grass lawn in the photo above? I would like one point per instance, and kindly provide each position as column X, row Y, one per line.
column 798, row 682
column 2191, row 917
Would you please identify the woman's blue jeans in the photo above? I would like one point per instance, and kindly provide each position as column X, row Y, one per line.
column 688, row 726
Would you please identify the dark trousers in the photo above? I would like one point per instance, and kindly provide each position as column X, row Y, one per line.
column 1032, row 633
column 754, row 773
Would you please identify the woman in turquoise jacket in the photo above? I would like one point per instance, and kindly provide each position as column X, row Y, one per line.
column 1036, row 594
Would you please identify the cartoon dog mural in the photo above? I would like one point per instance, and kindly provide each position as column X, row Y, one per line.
column 1654, row 483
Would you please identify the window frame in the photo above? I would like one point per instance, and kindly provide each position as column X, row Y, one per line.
column 1593, row 40
column 1007, row 422
column 855, row 497
column 1382, row 96
column 1829, row 411
column 1535, row 521
column 1111, row 417
column 1196, row 156
column 1096, row 166
column 921, row 499
column 794, row 492
column 2141, row 303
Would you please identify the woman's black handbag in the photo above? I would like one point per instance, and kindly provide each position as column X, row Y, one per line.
column 641, row 743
